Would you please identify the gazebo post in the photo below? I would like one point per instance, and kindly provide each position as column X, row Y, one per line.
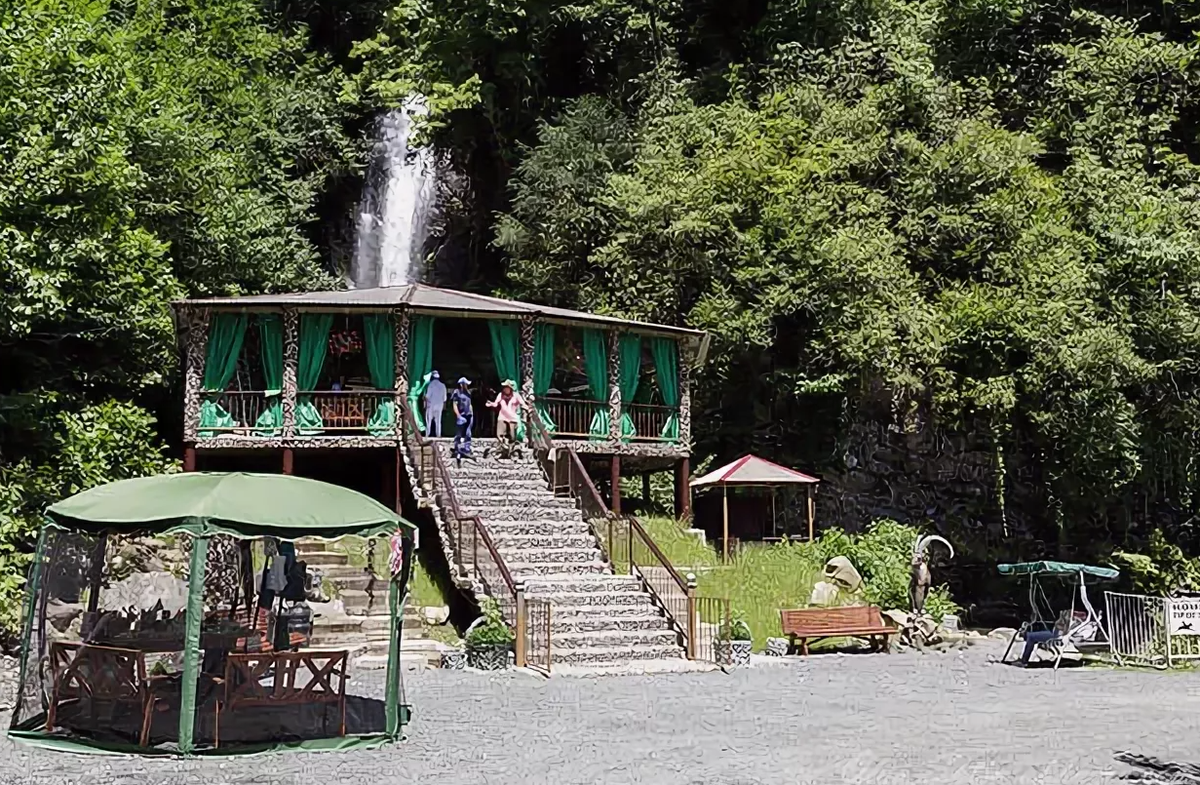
column 725, row 517
column 809, row 493
column 96, row 572
column 616, row 485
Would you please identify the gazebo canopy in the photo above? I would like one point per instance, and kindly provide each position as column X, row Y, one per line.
column 752, row 470
column 237, row 503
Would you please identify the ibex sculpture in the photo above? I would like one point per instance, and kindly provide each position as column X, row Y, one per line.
column 920, row 578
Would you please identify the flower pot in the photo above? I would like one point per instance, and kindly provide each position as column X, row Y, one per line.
column 733, row 653
column 454, row 660
column 489, row 657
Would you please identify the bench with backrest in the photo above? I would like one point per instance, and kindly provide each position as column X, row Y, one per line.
column 298, row 678
column 813, row 624
column 85, row 673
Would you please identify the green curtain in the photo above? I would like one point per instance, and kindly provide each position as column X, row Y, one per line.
column 666, row 368
column 543, row 371
column 420, row 364
column 226, row 331
column 595, row 363
column 506, row 350
column 630, row 352
column 270, row 338
column 314, row 344
column 381, row 359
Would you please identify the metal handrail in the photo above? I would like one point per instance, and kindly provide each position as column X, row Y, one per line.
column 480, row 532
column 585, row 492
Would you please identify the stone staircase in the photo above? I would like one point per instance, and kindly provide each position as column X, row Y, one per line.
column 598, row 619
column 358, row 620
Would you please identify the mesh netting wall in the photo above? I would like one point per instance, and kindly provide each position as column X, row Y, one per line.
column 292, row 646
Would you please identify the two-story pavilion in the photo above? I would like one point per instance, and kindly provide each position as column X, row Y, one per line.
column 317, row 374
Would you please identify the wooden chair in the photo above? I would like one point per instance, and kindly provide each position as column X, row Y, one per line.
column 863, row 621
column 326, row 682
column 88, row 673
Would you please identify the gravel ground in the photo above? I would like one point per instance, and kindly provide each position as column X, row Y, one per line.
column 939, row 718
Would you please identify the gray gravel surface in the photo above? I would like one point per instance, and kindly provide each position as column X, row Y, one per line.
column 903, row 718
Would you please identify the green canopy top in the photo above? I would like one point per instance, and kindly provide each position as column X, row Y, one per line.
column 1060, row 568
column 237, row 503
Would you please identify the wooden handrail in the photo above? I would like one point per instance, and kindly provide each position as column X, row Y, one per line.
column 443, row 473
column 636, row 526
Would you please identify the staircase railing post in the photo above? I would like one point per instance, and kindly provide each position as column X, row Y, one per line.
column 629, row 533
column 691, row 612
column 522, row 623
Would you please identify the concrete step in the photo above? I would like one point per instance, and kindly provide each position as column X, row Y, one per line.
column 599, row 612
column 563, row 556
column 600, row 621
column 612, row 639
column 601, row 600
column 521, row 512
column 359, row 603
column 525, row 569
column 495, row 497
column 325, row 559
column 509, row 540
column 465, row 484
column 545, row 528
column 606, row 654
column 335, row 572
column 584, row 583
column 360, row 581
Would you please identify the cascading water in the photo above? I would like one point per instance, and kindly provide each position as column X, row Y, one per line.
column 397, row 202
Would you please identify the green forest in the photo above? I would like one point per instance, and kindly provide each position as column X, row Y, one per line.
column 979, row 220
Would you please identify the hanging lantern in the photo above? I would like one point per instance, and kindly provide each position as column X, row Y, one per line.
column 345, row 342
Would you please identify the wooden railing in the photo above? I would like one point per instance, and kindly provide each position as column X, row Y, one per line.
column 346, row 411
column 572, row 417
column 649, row 420
column 244, row 407
column 675, row 595
column 474, row 551
column 478, row 558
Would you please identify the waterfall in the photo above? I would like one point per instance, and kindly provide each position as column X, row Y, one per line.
column 398, row 198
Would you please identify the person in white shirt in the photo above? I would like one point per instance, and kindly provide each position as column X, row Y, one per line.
column 435, row 400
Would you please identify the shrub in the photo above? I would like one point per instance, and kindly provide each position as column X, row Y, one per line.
column 493, row 631
column 1163, row 570
column 735, row 628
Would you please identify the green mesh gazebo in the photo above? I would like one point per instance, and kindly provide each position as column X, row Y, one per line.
column 212, row 653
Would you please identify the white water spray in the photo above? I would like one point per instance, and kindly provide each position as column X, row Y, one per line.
column 398, row 199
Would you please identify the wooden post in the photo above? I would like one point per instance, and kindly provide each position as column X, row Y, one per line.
column 645, row 493
column 96, row 572
column 809, row 489
column 691, row 612
column 189, row 458
column 400, row 368
column 195, row 347
column 683, row 489
column 289, row 461
column 616, row 485
column 725, row 518
column 522, row 623
column 614, row 388
column 399, row 464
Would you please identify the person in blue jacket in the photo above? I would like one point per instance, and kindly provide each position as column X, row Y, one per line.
column 464, row 417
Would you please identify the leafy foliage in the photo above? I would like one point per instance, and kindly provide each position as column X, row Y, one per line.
column 1162, row 571
column 153, row 151
column 493, row 631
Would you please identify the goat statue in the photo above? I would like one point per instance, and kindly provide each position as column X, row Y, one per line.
column 920, row 578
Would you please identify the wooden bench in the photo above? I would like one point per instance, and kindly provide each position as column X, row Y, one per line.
column 325, row 682
column 862, row 621
column 87, row 673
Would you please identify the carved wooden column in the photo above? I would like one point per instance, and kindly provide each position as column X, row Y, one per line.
column 195, row 346
column 614, row 387
column 528, row 330
column 400, row 355
column 685, row 399
column 291, row 357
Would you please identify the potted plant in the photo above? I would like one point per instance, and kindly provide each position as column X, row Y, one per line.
column 734, row 640
column 489, row 640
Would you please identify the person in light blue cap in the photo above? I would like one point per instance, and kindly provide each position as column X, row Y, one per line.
column 460, row 399
column 435, row 400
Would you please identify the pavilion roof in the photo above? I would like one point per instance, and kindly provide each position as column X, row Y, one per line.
column 752, row 470
column 421, row 297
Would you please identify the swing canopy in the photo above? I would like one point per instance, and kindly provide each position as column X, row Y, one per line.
column 171, row 615
column 1058, row 569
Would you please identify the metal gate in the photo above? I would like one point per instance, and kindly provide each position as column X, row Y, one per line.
column 1137, row 627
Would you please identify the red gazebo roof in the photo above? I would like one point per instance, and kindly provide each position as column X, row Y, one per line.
column 752, row 470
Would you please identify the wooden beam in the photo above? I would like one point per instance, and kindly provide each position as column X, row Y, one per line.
column 645, row 493
column 811, row 511
column 289, row 460
column 189, row 458
column 683, row 488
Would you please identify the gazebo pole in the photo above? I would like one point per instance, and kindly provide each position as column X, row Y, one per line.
column 774, row 524
column 725, row 516
column 808, row 491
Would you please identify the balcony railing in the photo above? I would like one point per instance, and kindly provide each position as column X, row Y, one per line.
column 350, row 411
column 255, row 413
column 572, row 417
column 240, row 413
column 650, row 420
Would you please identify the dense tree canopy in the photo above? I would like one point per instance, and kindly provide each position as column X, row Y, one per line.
column 981, row 217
